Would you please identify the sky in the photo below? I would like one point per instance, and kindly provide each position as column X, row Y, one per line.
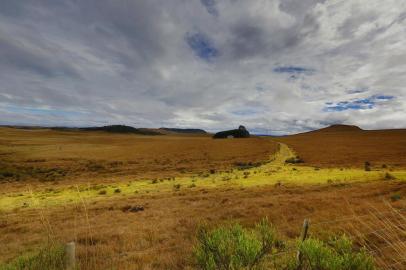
column 276, row 67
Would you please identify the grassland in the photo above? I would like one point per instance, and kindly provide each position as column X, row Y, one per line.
column 38, row 156
column 221, row 180
column 346, row 147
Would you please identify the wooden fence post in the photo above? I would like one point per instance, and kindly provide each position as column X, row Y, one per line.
column 302, row 238
column 70, row 256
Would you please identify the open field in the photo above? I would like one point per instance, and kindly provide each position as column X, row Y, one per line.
column 196, row 180
column 350, row 148
column 47, row 156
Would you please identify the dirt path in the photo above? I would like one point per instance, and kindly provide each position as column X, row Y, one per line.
column 281, row 155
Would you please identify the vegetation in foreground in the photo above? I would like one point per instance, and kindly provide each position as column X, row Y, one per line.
column 234, row 247
column 238, row 248
column 51, row 257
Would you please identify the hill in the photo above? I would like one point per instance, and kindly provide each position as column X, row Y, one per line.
column 122, row 129
column 183, row 130
column 339, row 128
column 349, row 146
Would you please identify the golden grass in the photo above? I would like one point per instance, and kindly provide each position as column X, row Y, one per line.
column 42, row 155
column 161, row 237
column 350, row 148
column 275, row 171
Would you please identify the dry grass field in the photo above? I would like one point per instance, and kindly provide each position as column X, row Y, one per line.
column 136, row 202
column 45, row 156
column 347, row 147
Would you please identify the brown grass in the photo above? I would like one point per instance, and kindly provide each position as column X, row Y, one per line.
column 350, row 148
column 48, row 155
column 114, row 231
column 162, row 236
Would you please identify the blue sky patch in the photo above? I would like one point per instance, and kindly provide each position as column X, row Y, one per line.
column 357, row 104
column 39, row 111
column 245, row 112
column 201, row 46
column 383, row 97
column 293, row 70
column 358, row 90
column 210, row 6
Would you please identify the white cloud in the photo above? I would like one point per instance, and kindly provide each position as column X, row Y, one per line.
column 130, row 62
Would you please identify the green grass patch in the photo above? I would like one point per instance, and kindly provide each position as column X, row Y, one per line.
column 47, row 258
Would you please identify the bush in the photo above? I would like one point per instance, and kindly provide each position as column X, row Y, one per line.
column 48, row 258
column 294, row 160
column 337, row 254
column 367, row 166
column 389, row 176
column 234, row 247
column 395, row 197
column 176, row 187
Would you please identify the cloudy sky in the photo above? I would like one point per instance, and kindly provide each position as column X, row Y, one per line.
column 275, row 66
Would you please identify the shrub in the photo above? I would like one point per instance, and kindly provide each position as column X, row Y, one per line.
column 294, row 160
column 234, row 247
column 48, row 258
column 102, row 192
column 395, row 197
column 367, row 166
column 176, row 187
column 389, row 176
column 337, row 254
column 117, row 190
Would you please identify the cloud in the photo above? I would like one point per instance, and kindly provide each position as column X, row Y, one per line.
column 207, row 64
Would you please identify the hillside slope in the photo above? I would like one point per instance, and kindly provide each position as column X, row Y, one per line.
column 349, row 146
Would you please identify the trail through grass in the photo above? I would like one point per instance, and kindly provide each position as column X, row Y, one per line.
column 275, row 171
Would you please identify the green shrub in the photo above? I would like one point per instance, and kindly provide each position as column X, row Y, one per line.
column 395, row 197
column 337, row 254
column 234, row 247
column 48, row 258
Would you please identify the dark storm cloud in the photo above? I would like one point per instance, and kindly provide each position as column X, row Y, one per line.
column 201, row 63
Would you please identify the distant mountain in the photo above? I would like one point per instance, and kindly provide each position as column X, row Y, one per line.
column 185, row 130
column 122, row 129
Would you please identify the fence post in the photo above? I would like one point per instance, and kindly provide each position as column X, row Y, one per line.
column 302, row 238
column 70, row 258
